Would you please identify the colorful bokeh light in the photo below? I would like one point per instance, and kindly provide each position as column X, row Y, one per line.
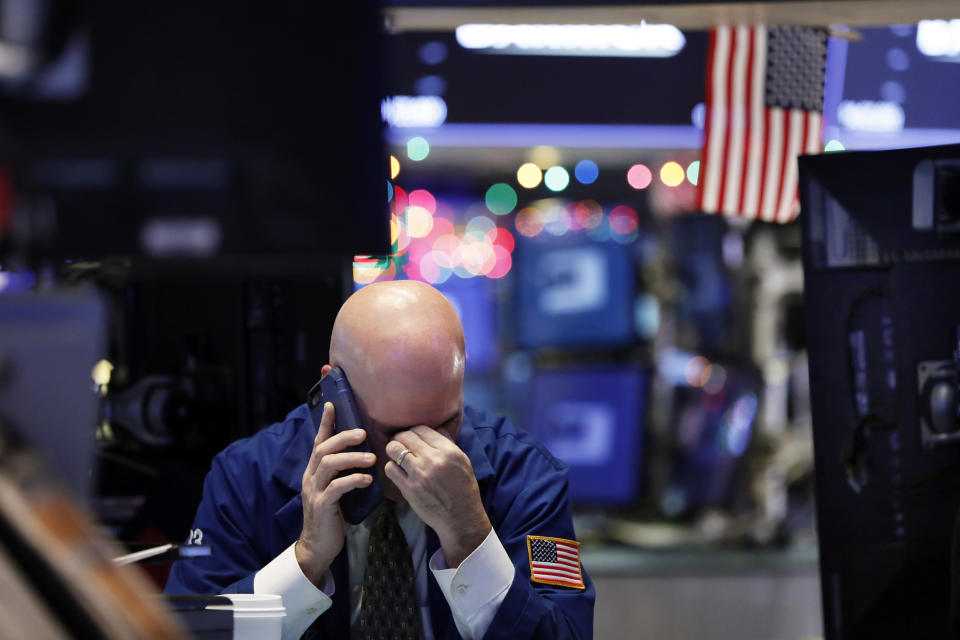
column 672, row 174
column 423, row 198
column 693, row 172
column 447, row 244
column 556, row 220
column 427, row 246
column 501, row 199
column 418, row 148
column 623, row 220
column 586, row 172
column 556, row 178
column 639, row 176
column 394, row 229
column 419, row 221
column 367, row 269
column 529, row 222
column 436, row 267
column 501, row 237
column 587, row 214
column 403, row 237
column 394, row 167
column 545, row 156
column 400, row 201
column 441, row 227
column 502, row 263
column 697, row 371
column 479, row 226
column 529, row 175
column 471, row 257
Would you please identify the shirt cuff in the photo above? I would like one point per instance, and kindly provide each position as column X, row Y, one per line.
column 475, row 589
column 303, row 601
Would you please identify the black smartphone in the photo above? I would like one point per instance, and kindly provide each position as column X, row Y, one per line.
column 357, row 504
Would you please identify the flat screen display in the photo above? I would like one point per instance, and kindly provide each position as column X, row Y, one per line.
column 592, row 418
column 573, row 292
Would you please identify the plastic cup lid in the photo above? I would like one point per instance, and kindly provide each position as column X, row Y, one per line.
column 251, row 602
column 260, row 614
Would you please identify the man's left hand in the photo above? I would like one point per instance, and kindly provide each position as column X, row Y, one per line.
column 437, row 480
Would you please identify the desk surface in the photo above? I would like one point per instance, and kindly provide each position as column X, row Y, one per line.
column 623, row 560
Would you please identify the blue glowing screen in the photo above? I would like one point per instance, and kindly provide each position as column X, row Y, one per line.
column 572, row 291
column 592, row 419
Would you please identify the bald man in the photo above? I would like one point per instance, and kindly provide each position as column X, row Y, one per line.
column 482, row 506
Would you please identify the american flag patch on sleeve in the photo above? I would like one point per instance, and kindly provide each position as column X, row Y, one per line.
column 555, row 561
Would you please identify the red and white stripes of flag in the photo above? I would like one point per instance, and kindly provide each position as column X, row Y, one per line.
column 764, row 108
column 555, row 561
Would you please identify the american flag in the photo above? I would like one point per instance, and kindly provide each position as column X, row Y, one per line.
column 555, row 561
column 764, row 108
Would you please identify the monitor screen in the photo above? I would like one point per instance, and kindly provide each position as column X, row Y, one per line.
column 592, row 418
column 49, row 344
column 573, row 292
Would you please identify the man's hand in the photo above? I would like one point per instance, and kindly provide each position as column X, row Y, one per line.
column 437, row 480
column 323, row 526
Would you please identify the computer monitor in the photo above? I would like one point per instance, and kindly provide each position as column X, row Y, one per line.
column 881, row 269
column 573, row 292
column 592, row 418
column 49, row 344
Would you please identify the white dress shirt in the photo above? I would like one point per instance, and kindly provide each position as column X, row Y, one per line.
column 474, row 590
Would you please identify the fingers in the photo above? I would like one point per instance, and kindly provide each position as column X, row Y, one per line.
column 411, row 440
column 421, row 441
column 433, row 437
column 394, row 449
column 397, row 475
column 333, row 463
column 334, row 444
column 340, row 486
column 326, row 423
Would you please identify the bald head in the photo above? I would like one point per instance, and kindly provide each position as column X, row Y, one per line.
column 401, row 346
column 404, row 334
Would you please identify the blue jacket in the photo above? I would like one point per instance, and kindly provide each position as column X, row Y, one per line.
column 251, row 511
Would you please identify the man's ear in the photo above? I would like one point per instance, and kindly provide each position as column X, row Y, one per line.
column 325, row 370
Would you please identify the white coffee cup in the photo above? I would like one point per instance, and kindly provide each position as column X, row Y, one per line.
column 256, row 616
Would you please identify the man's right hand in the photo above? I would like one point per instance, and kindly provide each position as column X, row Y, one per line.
column 323, row 525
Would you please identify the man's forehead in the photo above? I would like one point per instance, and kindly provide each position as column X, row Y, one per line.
column 394, row 426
